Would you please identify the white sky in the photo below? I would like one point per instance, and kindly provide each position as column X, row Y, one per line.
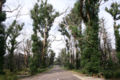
column 59, row 5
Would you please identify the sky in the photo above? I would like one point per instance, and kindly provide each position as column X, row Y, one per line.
column 58, row 5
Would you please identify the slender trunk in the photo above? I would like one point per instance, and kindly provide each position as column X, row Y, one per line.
column 11, row 63
column 113, row 54
column 44, row 44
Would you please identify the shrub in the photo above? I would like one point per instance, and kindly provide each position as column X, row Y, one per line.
column 32, row 66
column 8, row 76
column 2, row 77
column 71, row 66
column 108, row 74
column 118, row 56
column 117, row 74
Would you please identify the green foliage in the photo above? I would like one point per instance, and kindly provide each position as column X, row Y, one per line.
column 35, row 60
column 70, row 66
column 114, row 10
column 37, row 44
column 11, row 76
column 12, row 33
column 71, row 27
column 64, row 59
column 8, row 76
column 75, row 31
column 2, row 16
column 25, row 71
column 117, row 35
column 118, row 56
column 108, row 74
column 2, row 47
column 90, row 57
column 43, row 16
column 90, row 54
column 52, row 57
column 112, row 74
column 77, row 61
column 42, row 70
column 117, row 73
column 64, row 31
column 90, row 60
column 2, row 36
column 33, row 65
column 73, row 20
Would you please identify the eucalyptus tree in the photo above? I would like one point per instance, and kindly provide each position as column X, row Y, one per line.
column 63, row 58
column 115, row 12
column 66, row 50
column 74, row 21
column 27, row 44
column 13, row 32
column 43, row 16
column 52, row 57
column 91, row 56
column 2, row 35
column 89, row 43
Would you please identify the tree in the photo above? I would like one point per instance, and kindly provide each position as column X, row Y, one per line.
column 63, row 59
column 35, row 60
column 71, row 27
column 2, row 36
column 74, row 22
column 43, row 16
column 105, row 47
column 86, row 11
column 66, row 53
column 13, row 32
column 90, row 58
column 52, row 57
column 27, row 44
column 115, row 12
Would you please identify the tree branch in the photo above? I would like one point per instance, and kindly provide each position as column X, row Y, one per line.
column 10, row 10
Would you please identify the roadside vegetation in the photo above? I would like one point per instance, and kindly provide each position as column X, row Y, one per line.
column 37, row 56
column 88, row 54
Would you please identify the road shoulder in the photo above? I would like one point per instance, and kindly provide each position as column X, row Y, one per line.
column 84, row 77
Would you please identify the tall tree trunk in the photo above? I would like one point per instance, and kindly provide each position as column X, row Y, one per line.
column 2, row 37
column 45, row 44
column 11, row 60
column 113, row 53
